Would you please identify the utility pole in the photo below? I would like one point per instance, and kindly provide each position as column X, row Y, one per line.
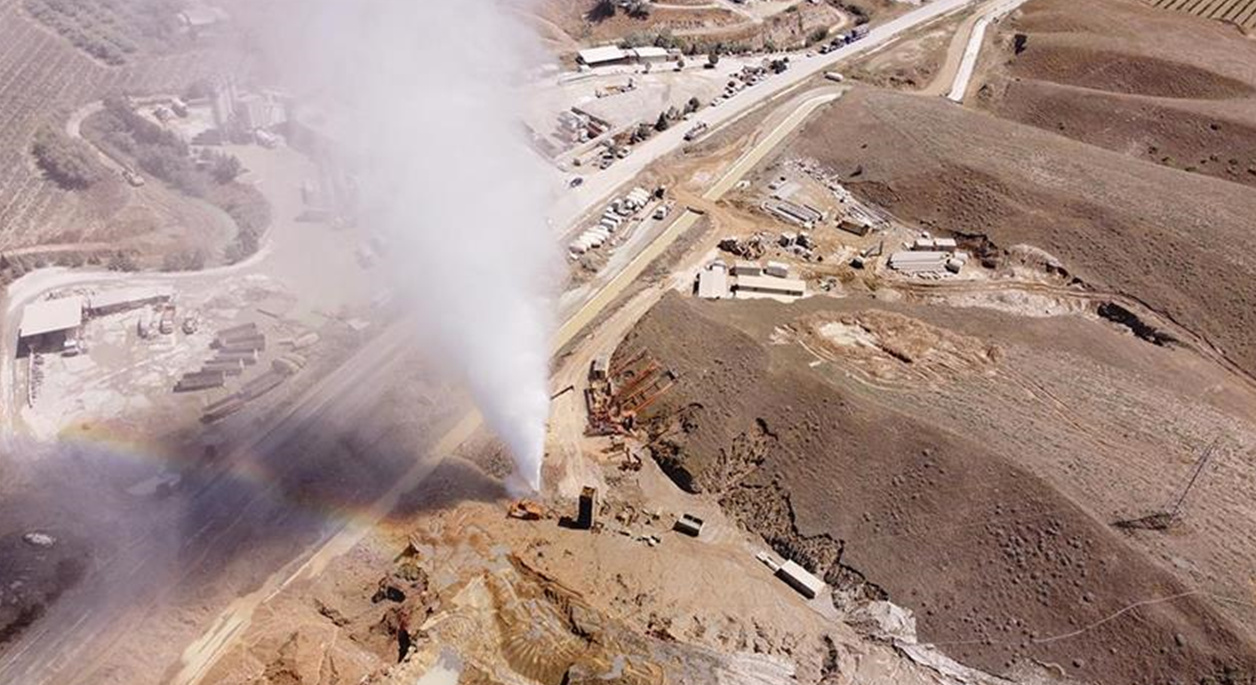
column 1200, row 465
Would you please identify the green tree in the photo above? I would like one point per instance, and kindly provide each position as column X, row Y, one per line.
column 225, row 168
column 122, row 261
column 67, row 162
column 638, row 9
column 601, row 10
column 184, row 260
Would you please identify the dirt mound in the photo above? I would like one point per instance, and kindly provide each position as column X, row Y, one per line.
column 1178, row 242
column 893, row 347
column 999, row 567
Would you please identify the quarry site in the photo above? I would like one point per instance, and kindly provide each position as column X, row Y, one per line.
column 560, row 342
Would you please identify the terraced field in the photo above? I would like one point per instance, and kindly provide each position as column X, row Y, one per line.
column 1239, row 12
column 44, row 78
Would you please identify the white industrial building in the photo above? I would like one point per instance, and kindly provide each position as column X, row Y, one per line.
column 122, row 299
column 749, row 281
column 608, row 55
column 602, row 56
column 768, row 287
column 927, row 244
column 650, row 55
column 713, row 282
column 928, row 262
column 51, row 324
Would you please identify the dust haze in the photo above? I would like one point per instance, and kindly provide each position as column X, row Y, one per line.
column 445, row 174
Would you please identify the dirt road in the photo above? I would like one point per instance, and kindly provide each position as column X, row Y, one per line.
column 968, row 65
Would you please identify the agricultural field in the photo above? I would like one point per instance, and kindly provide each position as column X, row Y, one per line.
column 45, row 79
column 113, row 31
column 1239, row 12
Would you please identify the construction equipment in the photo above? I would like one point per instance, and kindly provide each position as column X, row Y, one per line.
column 526, row 510
column 166, row 325
column 612, row 407
column 191, row 323
column 689, row 525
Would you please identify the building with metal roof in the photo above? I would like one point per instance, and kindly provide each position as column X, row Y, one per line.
column 121, row 299
column 607, row 54
column 650, row 53
column 51, row 316
column 713, row 282
column 759, row 287
column 51, row 325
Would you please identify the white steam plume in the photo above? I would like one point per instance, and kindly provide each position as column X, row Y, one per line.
column 432, row 89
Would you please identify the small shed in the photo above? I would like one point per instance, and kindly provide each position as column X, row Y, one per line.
column 689, row 525
column 856, row 226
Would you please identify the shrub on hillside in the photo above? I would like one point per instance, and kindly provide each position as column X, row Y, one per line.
column 68, row 162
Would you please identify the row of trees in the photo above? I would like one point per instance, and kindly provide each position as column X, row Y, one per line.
column 672, row 115
column 109, row 30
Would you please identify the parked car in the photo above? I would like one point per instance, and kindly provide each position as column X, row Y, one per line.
column 132, row 177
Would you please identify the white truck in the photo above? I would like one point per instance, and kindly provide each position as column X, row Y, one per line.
column 696, row 131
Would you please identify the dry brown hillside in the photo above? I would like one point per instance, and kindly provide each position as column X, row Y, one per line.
column 1163, row 87
column 1181, row 243
column 854, row 480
